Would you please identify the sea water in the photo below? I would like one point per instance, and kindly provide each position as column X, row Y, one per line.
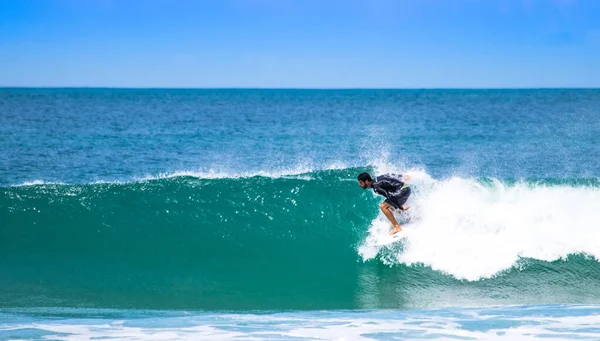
column 236, row 214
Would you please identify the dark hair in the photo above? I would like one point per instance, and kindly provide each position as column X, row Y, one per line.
column 364, row 177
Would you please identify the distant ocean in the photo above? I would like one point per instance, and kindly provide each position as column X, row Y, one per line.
column 235, row 214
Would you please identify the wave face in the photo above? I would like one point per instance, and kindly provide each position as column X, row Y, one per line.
column 297, row 242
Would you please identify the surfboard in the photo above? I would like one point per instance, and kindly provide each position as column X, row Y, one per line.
column 387, row 240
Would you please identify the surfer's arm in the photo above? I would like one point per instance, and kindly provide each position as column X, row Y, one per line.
column 390, row 184
column 380, row 189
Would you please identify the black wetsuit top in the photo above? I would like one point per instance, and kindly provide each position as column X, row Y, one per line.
column 393, row 188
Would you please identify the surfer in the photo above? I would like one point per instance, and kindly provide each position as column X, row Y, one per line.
column 394, row 188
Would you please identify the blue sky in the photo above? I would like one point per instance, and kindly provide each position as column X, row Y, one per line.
column 300, row 43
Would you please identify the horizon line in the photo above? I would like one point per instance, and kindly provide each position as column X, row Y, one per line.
column 301, row 88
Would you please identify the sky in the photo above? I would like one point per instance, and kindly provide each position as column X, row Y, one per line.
column 300, row 43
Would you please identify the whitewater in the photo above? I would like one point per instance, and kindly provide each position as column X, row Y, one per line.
column 477, row 228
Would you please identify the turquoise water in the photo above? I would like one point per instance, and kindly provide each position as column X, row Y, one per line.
column 194, row 206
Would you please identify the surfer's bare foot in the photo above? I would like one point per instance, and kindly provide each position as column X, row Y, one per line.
column 396, row 230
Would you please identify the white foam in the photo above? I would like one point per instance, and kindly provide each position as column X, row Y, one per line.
column 474, row 231
column 379, row 161
column 300, row 170
column 38, row 182
column 500, row 323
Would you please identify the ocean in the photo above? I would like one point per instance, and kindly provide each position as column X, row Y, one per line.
column 170, row 214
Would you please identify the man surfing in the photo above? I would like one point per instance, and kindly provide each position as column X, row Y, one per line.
column 394, row 188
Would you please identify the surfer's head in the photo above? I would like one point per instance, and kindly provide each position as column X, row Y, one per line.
column 364, row 180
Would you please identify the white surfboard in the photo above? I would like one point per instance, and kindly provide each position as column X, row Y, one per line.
column 386, row 240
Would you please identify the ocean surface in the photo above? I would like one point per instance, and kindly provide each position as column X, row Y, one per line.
column 236, row 214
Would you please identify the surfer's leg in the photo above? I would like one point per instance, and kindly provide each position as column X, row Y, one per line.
column 386, row 208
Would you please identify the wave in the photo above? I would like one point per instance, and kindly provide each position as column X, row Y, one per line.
column 178, row 233
column 474, row 229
